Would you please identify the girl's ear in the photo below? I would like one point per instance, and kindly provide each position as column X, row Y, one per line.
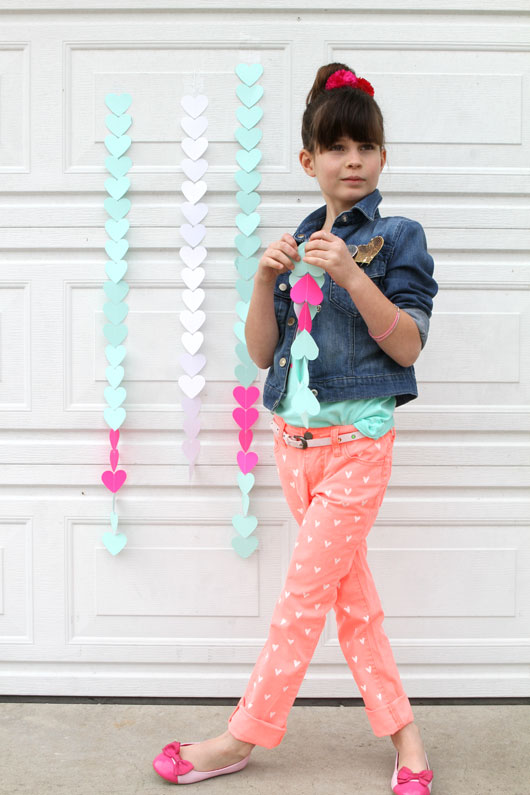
column 383, row 157
column 307, row 162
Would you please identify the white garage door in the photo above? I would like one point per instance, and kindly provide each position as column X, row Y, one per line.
column 178, row 612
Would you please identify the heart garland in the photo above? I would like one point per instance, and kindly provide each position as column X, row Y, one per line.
column 306, row 281
column 117, row 143
column 247, row 244
column 193, row 255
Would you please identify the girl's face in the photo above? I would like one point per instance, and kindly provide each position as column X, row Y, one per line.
column 346, row 172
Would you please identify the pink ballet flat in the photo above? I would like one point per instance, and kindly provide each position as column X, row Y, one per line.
column 170, row 766
column 405, row 782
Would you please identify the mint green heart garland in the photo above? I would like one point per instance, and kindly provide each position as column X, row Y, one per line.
column 306, row 281
column 117, row 143
column 247, row 244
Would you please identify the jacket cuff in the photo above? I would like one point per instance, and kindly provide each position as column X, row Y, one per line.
column 422, row 321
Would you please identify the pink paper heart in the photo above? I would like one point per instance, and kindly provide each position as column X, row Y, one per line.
column 191, row 448
column 246, row 397
column 114, row 457
column 114, row 437
column 114, row 480
column 246, row 461
column 245, row 439
column 245, row 418
column 306, row 289
column 191, row 406
column 304, row 318
column 192, row 426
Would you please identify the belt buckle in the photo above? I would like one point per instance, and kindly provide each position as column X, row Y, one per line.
column 303, row 442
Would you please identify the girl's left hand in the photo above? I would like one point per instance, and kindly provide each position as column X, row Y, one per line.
column 331, row 253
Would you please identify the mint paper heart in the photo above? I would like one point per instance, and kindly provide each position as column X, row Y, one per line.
column 248, row 201
column 115, row 355
column 115, row 334
column 249, row 95
column 247, row 266
column 247, row 223
column 248, row 181
column 249, row 117
column 304, row 401
column 248, row 160
column 245, row 482
column 239, row 331
column 244, row 546
column 117, row 229
column 115, row 270
column 304, row 345
column 117, row 146
column 118, row 125
column 247, row 246
column 115, row 397
column 118, row 103
column 116, row 292
column 245, row 525
column 114, row 417
column 114, row 542
column 116, row 249
column 117, row 187
column 117, row 208
column 249, row 73
column 248, row 138
column 246, row 375
column 243, row 354
column 244, row 288
column 114, row 375
column 118, row 166
column 115, row 312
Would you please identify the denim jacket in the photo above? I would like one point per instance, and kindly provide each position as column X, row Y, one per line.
column 350, row 364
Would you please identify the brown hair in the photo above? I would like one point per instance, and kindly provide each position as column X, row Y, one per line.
column 344, row 111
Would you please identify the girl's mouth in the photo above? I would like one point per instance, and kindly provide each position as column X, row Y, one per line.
column 353, row 179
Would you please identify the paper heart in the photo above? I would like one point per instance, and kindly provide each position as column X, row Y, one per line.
column 247, row 223
column 117, row 146
column 193, row 257
column 245, row 438
column 306, row 289
column 194, row 191
column 192, row 342
column 246, row 374
column 114, row 542
column 114, row 480
column 304, row 318
column 247, row 246
column 192, row 278
column 192, row 321
column 245, row 418
column 117, row 187
column 245, row 501
column 194, row 169
column 244, row 546
column 192, row 364
column 114, row 417
column 191, row 386
column 249, row 117
column 116, row 270
column 116, row 292
column 118, row 125
column 115, row 334
column 118, row 103
column 247, row 181
column 249, row 73
column 368, row 251
column 304, row 345
column 117, row 208
column 115, row 397
column 117, row 229
column 114, row 457
column 118, row 166
column 244, row 289
column 193, row 234
column 242, row 353
column 245, row 482
column 245, row 525
column 194, row 213
column 242, row 310
column 116, row 249
column 194, row 106
column 194, row 149
column 115, row 355
column 191, row 406
column 114, row 520
column 247, row 266
column 115, row 312
column 248, row 201
column 246, row 461
column 248, row 138
column 114, row 375
column 114, row 438
column 191, row 448
column 248, row 160
column 239, row 331
column 249, row 95
column 194, row 127
column 304, row 401
column 191, row 426
column 193, row 298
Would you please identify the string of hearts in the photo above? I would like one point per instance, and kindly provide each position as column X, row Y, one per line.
column 247, row 244
column 193, row 254
column 116, row 289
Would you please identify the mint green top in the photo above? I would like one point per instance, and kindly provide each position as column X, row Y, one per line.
column 372, row 416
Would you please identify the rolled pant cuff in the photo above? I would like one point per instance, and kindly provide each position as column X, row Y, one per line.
column 248, row 729
column 390, row 719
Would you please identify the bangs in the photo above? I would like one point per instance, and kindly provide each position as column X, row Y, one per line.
column 352, row 114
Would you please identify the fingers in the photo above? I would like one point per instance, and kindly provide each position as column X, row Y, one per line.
column 279, row 255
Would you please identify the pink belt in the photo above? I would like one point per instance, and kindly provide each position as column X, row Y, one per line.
column 307, row 439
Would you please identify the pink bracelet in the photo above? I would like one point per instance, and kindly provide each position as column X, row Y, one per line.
column 388, row 331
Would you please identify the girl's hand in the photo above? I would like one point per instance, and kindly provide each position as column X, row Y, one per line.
column 276, row 260
column 331, row 253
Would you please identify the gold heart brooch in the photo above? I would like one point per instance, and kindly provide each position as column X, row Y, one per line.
column 365, row 254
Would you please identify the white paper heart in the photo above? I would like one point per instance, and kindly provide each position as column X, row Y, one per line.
column 194, row 191
column 192, row 342
column 194, row 106
column 193, row 234
column 194, row 149
column 192, row 257
column 192, row 321
column 192, row 279
column 193, row 298
column 194, row 127
column 194, row 169
column 191, row 386
column 194, row 213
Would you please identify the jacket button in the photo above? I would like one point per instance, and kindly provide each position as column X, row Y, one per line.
column 283, row 361
column 283, row 286
column 319, row 308
column 314, row 391
column 290, row 321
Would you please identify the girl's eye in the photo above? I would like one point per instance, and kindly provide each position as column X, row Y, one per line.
column 336, row 146
column 368, row 146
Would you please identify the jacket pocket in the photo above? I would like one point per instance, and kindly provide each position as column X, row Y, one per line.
column 341, row 298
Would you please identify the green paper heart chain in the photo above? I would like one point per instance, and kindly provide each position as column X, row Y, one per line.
column 247, row 244
column 115, row 331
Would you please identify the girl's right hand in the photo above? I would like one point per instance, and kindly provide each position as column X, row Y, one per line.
column 276, row 259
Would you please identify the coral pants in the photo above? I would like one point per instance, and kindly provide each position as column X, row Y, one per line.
column 334, row 492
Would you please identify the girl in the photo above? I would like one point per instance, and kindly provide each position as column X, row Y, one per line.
column 370, row 327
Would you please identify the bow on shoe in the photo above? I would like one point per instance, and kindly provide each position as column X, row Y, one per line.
column 182, row 766
column 405, row 774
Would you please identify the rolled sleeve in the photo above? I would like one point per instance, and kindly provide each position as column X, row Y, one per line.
column 422, row 321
